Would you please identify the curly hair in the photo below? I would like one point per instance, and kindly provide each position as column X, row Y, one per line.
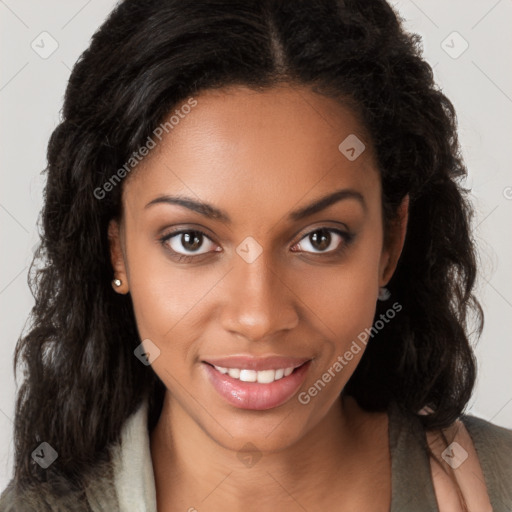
column 82, row 380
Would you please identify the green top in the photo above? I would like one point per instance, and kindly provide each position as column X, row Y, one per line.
column 412, row 486
column 128, row 483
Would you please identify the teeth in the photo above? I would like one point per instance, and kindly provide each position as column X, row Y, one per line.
column 266, row 376
column 262, row 377
column 248, row 376
column 234, row 372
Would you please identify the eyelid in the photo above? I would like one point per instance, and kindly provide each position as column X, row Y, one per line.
column 340, row 228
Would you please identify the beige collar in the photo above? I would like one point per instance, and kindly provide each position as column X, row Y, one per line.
column 133, row 468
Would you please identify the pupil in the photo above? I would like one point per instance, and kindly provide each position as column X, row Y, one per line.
column 191, row 242
column 321, row 239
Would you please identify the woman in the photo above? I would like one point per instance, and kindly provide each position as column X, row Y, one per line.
column 257, row 273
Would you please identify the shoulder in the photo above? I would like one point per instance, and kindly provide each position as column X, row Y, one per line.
column 93, row 492
column 474, row 456
column 493, row 445
column 490, row 440
column 93, row 488
column 41, row 498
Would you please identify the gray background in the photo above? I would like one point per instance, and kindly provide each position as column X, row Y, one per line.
column 478, row 81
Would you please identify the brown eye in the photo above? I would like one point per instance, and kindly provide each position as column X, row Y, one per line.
column 188, row 243
column 323, row 240
column 191, row 241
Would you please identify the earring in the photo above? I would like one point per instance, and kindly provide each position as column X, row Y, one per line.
column 384, row 293
column 117, row 282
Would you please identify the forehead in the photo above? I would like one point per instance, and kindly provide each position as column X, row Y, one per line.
column 269, row 148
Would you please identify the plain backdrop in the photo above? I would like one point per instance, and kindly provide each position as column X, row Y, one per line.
column 468, row 44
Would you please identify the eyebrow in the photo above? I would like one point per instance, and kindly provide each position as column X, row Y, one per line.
column 215, row 213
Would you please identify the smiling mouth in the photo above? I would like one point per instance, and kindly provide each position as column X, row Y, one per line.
column 260, row 376
column 262, row 389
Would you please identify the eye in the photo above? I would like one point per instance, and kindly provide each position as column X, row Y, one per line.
column 187, row 243
column 324, row 240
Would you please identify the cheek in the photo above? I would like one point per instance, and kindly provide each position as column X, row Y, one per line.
column 167, row 303
column 344, row 297
column 165, row 297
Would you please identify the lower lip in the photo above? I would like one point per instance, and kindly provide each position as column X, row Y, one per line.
column 253, row 395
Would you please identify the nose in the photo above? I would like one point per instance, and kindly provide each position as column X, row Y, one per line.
column 260, row 304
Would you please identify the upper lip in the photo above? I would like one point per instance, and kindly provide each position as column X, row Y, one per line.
column 257, row 363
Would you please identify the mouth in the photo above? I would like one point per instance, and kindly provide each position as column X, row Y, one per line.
column 261, row 376
column 267, row 384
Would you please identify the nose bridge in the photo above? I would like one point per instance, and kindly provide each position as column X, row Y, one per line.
column 259, row 303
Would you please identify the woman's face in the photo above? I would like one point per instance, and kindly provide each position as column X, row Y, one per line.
column 266, row 277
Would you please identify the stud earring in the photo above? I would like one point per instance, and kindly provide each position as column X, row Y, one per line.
column 117, row 282
column 384, row 293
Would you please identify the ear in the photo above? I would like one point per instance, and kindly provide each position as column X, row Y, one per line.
column 117, row 256
column 394, row 243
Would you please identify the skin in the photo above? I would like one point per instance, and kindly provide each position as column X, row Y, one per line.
column 258, row 156
column 469, row 475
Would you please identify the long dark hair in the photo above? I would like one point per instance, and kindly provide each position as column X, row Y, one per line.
column 82, row 380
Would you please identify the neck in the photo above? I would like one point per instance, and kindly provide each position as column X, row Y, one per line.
column 192, row 469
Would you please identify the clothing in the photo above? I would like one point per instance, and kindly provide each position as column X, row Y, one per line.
column 127, row 484
column 412, row 485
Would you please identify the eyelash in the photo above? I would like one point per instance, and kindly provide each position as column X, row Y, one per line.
column 347, row 239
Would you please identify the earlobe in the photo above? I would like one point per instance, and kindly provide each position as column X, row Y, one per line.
column 395, row 244
column 120, row 280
